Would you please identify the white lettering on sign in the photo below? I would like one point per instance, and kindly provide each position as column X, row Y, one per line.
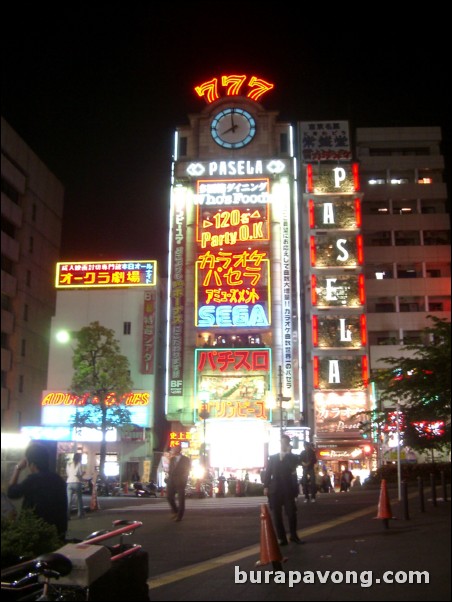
column 339, row 176
column 346, row 333
column 235, row 168
column 237, row 198
column 232, row 315
column 328, row 213
column 334, row 375
column 340, row 245
column 330, row 289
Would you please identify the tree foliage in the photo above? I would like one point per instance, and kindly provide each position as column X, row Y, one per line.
column 420, row 384
column 101, row 377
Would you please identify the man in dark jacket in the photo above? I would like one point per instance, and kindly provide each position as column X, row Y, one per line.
column 179, row 469
column 281, row 487
column 308, row 459
column 42, row 491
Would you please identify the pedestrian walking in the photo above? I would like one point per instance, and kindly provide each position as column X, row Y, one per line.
column 281, row 487
column 308, row 460
column 179, row 469
column 346, row 479
column 74, row 484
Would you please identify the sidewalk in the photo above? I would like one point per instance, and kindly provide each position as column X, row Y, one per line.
column 357, row 542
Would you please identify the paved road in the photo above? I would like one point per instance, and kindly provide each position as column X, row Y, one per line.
column 196, row 559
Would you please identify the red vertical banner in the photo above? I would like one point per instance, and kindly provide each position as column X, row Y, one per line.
column 147, row 353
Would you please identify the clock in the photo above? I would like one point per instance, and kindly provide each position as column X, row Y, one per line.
column 233, row 128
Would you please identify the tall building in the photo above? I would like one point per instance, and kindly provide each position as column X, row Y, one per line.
column 32, row 208
column 234, row 348
column 406, row 229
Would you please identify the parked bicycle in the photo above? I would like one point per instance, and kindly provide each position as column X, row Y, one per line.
column 50, row 576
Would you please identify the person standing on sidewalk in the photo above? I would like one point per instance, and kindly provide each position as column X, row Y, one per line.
column 179, row 469
column 308, row 460
column 74, row 483
column 281, row 487
column 43, row 491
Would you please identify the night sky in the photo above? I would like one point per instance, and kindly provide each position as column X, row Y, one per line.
column 97, row 91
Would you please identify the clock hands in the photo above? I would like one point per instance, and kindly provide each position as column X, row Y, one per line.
column 233, row 125
column 231, row 129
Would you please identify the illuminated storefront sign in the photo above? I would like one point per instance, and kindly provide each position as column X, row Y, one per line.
column 337, row 291
column 235, row 168
column 334, row 213
column 59, row 407
column 325, row 141
column 340, row 373
column 106, row 274
column 66, row 433
column 147, row 352
column 232, row 192
column 336, row 331
column 233, row 383
column 233, row 85
column 233, row 289
column 286, row 289
column 338, row 414
column 321, row 179
column 336, row 251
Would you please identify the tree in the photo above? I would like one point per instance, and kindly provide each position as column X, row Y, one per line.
column 101, row 377
column 419, row 384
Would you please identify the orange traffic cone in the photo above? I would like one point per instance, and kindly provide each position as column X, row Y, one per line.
column 94, row 504
column 384, row 506
column 270, row 551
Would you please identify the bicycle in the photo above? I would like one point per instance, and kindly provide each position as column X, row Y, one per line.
column 40, row 581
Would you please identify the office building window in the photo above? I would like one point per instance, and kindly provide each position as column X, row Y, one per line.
column 127, row 329
column 21, row 383
column 22, row 347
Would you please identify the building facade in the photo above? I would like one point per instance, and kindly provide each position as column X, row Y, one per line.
column 32, row 209
column 234, row 334
column 126, row 297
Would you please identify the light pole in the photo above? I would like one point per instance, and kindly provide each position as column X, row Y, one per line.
column 399, row 465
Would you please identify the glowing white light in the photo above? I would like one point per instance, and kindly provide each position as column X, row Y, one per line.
column 63, row 336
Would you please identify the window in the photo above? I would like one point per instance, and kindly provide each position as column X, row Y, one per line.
column 284, row 143
column 436, row 237
column 28, row 278
column 8, row 228
column 25, row 312
column 22, row 348
column 34, row 211
column 183, row 145
column 30, row 244
column 407, row 238
column 21, row 383
column 10, row 191
column 127, row 328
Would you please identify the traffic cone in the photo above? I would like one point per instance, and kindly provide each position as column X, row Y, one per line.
column 384, row 506
column 94, row 504
column 270, row 551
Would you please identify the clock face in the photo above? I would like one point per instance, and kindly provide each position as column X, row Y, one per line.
column 233, row 128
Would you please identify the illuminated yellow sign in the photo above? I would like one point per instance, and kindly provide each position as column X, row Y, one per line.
column 106, row 274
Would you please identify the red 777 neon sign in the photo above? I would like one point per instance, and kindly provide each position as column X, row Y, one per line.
column 233, row 85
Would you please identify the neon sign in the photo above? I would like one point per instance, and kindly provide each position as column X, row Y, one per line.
column 233, row 289
column 232, row 192
column 62, row 398
column 106, row 274
column 233, row 85
column 233, row 383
